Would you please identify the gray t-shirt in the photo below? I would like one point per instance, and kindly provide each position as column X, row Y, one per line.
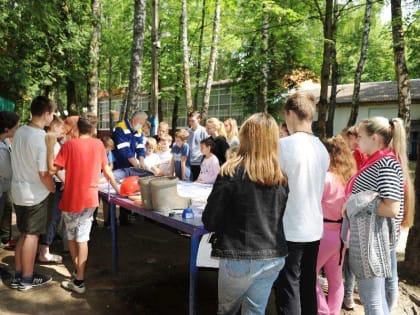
column 194, row 140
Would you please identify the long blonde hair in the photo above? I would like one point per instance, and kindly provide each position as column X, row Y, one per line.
column 216, row 123
column 233, row 132
column 342, row 163
column 258, row 151
column 394, row 137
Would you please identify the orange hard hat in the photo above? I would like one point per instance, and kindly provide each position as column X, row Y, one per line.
column 129, row 186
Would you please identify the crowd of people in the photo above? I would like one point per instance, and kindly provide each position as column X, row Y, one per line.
column 285, row 207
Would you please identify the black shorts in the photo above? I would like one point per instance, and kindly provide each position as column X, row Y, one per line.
column 33, row 219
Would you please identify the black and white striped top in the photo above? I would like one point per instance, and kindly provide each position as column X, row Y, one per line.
column 386, row 178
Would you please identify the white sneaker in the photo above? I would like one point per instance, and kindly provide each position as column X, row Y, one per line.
column 69, row 285
column 348, row 302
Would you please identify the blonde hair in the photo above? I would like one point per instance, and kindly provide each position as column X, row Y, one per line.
column 216, row 123
column 258, row 151
column 108, row 143
column 394, row 136
column 342, row 163
column 232, row 152
column 182, row 134
column 151, row 142
column 233, row 132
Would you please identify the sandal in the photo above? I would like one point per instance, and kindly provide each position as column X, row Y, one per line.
column 53, row 259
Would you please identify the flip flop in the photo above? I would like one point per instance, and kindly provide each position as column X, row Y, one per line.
column 54, row 259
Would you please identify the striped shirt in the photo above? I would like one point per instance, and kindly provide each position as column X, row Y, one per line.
column 386, row 178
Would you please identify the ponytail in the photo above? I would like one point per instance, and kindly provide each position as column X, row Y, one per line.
column 399, row 145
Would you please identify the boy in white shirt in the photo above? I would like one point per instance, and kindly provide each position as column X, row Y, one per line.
column 165, row 154
column 152, row 160
column 305, row 161
column 31, row 189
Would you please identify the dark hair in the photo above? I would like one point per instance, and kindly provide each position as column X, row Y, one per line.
column 87, row 123
column 41, row 105
column 208, row 142
column 195, row 114
column 7, row 120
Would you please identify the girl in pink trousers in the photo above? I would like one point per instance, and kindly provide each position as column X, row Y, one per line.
column 331, row 249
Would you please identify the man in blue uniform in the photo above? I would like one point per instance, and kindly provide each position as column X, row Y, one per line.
column 129, row 148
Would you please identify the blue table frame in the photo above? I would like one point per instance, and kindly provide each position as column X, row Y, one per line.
column 194, row 227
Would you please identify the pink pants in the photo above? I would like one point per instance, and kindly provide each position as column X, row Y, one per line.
column 328, row 258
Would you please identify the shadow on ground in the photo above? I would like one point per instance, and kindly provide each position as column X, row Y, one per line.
column 152, row 280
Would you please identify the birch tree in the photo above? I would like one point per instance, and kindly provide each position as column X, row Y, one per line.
column 134, row 87
column 401, row 71
column 187, row 82
column 212, row 61
column 264, row 65
column 199, row 55
column 94, row 57
column 359, row 69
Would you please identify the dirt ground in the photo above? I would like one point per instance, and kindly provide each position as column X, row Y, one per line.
column 153, row 279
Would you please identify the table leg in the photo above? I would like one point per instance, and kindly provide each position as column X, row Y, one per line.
column 114, row 240
column 195, row 241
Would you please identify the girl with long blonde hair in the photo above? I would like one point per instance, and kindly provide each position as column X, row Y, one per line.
column 330, row 254
column 217, row 133
column 385, row 172
column 245, row 210
column 232, row 134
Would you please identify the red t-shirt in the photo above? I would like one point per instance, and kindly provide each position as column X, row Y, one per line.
column 83, row 159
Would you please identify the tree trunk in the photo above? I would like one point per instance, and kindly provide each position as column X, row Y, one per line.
column 264, row 57
column 57, row 99
column 154, row 111
column 71, row 98
column 199, row 57
column 403, row 83
column 94, row 57
column 412, row 261
column 187, row 83
column 325, row 71
column 359, row 70
column 134, row 87
column 212, row 61
column 334, row 74
column 110, row 109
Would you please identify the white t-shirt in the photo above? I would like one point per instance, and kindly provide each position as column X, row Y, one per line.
column 305, row 161
column 5, row 168
column 165, row 161
column 29, row 157
column 151, row 160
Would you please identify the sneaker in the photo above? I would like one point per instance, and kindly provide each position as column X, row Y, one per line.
column 348, row 302
column 69, row 285
column 8, row 244
column 37, row 281
column 14, row 283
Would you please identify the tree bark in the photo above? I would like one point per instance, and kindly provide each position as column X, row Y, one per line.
column 187, row 83
column 110, row 109
column 334, row 73
column 412, row 261
column 359, row 70
column 325, row 70
column 264, row 57
column 403, row 82
column 134, row 87
column 154, row 111
column 212, row 61
column 94, row 57
column 199, row 56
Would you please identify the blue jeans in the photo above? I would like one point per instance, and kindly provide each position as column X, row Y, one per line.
column 391, row 284
column 349, row 278
column 246, row 283
column 54, row 217
column 373, row 297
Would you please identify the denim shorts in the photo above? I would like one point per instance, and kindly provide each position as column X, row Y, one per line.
column 78, row 224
